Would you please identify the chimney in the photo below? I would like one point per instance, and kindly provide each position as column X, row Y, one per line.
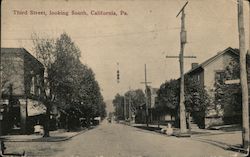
column 194, row 65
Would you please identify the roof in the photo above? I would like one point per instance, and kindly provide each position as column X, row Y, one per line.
column 20, row 50
column 13, row 50
column 210, row 60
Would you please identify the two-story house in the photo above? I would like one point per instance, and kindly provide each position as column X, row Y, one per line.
column 207, row 73
column 22, row 80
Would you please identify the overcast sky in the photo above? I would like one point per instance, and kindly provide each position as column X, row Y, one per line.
column 146, row 35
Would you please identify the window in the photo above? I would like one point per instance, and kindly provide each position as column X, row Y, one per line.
column 32, row 86
column 37, row 85
column 220, row 76
column 198, row 78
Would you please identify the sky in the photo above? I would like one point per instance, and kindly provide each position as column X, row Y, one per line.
column 147, row 33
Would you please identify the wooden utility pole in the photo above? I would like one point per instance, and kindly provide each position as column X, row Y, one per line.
column 129, row 103
column 183, row 125
column 129, row 108
column 243, row 77
column 248, row 52
column 183, row 40
column 125, row 108
column 146, row 94
column 1, row 114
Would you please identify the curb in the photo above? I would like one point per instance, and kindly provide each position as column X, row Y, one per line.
column 238, row 149
column 225, row 146
column 152, row 131
column 42, row 139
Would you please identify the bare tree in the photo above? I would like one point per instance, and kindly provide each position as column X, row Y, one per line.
column 44, row 49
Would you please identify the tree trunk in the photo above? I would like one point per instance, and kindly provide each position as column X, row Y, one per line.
column 47, row 121
column 183, row 125
column 189, row 123
column 158, row 121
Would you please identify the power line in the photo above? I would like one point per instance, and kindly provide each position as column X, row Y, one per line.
column 113, row 35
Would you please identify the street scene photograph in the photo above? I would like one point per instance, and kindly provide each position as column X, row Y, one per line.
column 125, row 78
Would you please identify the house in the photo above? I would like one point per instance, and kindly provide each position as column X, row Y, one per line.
column 206, row 74
column 22, row 81
column 140, row 116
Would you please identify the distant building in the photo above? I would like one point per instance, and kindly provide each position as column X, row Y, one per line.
column 22, row 81
column 206, row 74
column 151, row 95
column 151, row 102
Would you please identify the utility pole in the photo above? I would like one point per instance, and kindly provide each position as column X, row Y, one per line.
column 146, row 94
column 249, row 30
column 129, row 105
column 183, row 41
column 129, row 110
column 1, row 112
column 183, row 125
column 125, row 108
column 243, row 77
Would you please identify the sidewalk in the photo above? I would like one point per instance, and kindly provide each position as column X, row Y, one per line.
column 227, row 140
column 55, row 136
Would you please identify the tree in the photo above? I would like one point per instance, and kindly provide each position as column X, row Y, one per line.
column 64, row 71
column 118, row 103
column 132, row 98
column 74, row 83
column 70, row 85
column 228, row 96
column 135, row 98
column 168, row 97
column 90, row 95
column 44, row 49
column 196, row 100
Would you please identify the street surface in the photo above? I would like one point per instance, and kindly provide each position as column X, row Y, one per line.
column 117, row 140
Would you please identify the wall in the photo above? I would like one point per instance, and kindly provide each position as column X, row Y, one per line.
column 214, row 114
column 19, row 67
column 218, row 64
column 33, row 76
column 198, row 76
column 13, row 72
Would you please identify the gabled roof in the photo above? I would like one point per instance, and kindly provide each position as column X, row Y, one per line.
column 210, row 60
column 13, row 50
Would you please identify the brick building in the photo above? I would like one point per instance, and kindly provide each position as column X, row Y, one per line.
column 22, row 83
